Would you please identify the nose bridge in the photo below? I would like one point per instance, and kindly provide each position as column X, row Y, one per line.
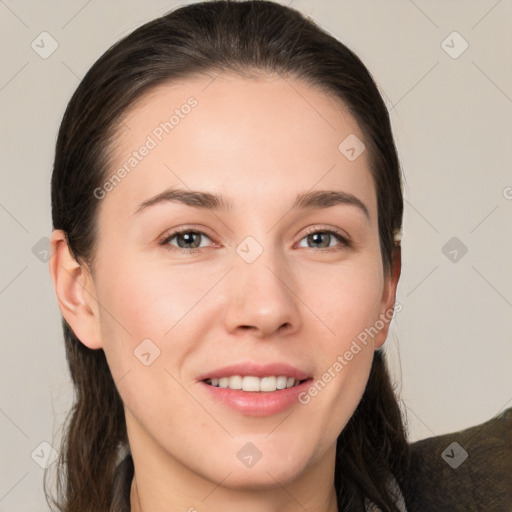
column 260, row 290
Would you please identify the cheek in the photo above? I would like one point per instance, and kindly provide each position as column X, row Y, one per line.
column 347, row 300
column 140, row 306
column 148, row 300
column 143, row 301
column 344, row 362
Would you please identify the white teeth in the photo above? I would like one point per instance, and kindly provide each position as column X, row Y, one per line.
column 281, row 382
column 235, row 382
column 268, row 384
column 251, row 383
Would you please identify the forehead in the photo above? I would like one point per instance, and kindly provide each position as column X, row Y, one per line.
column 256, row 139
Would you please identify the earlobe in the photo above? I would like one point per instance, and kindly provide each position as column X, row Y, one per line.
column 74, row 288
column 389, row 296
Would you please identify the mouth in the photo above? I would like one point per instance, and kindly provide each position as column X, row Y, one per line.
column 254, row 400
column 254, row 384
column 256, row 390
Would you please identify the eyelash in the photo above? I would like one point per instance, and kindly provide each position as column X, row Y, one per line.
column 166, row 239
column 344, row 242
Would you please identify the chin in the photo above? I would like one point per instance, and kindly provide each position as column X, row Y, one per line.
column 262, row 476
column 257, row 469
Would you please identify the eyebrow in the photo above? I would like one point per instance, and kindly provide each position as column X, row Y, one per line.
column 328, row 198
column 313, row 200
column 194, row 198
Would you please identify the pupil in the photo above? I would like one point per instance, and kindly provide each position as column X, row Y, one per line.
column 317, row 239
column 188, row 239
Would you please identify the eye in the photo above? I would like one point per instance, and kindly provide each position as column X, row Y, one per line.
column 187, row 240
column 324, row 239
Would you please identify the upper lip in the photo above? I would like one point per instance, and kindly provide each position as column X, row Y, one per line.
column 256, row 370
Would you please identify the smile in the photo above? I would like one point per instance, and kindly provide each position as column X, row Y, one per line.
column 251, row 383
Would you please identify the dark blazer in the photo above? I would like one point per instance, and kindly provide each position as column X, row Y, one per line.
column 473, row 475
column 442, row 479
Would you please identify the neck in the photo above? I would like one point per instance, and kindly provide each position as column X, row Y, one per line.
column 250, row 504
column 162, row 483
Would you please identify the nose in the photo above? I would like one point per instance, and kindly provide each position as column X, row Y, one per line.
column 261, row 299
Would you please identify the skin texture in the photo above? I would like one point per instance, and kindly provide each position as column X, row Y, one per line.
column 259, row 142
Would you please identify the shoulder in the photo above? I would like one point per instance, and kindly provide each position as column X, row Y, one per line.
column 469, row 470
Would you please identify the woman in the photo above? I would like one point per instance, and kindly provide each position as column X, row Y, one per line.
column 226, row 202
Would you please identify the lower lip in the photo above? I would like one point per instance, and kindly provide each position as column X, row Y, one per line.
column 262, row 403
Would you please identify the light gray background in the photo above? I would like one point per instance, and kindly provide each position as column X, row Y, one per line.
column 450, row 347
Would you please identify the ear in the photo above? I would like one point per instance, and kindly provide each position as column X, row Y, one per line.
column 75, row 292
column 389, row 297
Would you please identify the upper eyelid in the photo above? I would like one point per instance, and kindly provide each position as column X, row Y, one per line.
column 176, row 232
column 334, row 231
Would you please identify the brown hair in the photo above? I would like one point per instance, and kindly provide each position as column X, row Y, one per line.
column 244, row 37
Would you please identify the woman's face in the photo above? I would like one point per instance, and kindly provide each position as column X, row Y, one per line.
column 277, row 273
